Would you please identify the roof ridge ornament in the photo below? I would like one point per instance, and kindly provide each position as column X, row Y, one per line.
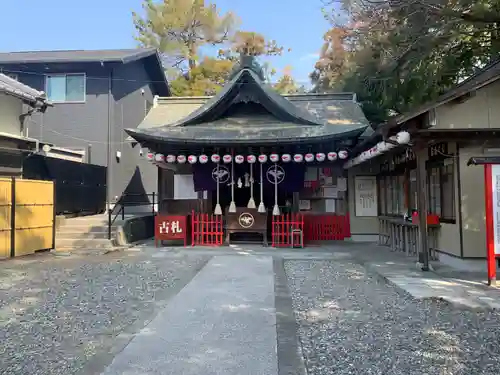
column 248, row 61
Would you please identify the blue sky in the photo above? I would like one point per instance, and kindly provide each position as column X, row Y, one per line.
column 103, row 24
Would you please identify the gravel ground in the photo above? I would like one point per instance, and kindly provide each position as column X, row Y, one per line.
column 56, row 313
column 351, row 322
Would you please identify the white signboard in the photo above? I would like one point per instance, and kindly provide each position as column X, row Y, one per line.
column 365, row 189
column 495, row 199
column 330, row 192
column 184, row 187
column 342, row 184
column 304, row 205
column 330, row 205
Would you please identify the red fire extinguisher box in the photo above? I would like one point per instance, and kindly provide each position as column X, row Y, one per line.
column 431, row 219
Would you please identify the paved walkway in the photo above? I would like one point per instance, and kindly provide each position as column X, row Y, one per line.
column 223, row 322
column 464, row 289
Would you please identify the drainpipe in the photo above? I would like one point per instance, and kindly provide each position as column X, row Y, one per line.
column 108, row 143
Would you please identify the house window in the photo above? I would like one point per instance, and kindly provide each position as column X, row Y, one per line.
column 413, row 191
column 65, row 88
column 442, row 190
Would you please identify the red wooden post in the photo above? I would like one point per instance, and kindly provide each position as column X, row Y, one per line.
column 193, row 227
column 490, row 233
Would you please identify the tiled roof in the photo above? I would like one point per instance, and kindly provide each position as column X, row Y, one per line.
column 112, row 55
column 28, row 94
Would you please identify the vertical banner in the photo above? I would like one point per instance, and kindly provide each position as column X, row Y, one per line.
column 492, row 211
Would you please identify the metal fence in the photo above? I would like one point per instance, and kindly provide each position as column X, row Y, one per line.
column 80, row 187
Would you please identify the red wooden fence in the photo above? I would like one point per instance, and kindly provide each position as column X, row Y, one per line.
column 326, row 227
column 206, row 230
column 282, row 227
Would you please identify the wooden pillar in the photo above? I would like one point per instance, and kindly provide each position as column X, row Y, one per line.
column 423, row 208
column 295, row 201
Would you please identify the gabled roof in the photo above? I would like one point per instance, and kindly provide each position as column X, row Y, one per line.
column 150, row 56
column 282, row 119
column 61, row 56
column 26, row 93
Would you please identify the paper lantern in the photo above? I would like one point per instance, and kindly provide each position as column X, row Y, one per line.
column 215, row 158
column 181, row 159
column 262, row 158
column 298, row 158
column 286, row 158
column 403, row 138
column 251, row 159
column 203, row 159
column 274, row 158
column 227, row 159
column 320, row 157
column 332, row 156
column 192, row 159
column 309, row 157
column 239, row 159
column 343, row 154
column 150, row 156
column 171, row 158
column 160, row 158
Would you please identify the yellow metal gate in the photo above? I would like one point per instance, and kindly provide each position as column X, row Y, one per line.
column 27, row 206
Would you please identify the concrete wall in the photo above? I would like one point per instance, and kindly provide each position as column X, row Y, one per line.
column 10, row 110
column 362, row 228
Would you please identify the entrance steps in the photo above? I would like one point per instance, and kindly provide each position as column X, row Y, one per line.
column 85, row 232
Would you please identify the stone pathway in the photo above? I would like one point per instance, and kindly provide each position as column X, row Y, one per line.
column 223, row 322
column 461, row 289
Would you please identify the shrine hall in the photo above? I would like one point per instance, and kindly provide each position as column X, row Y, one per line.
column 249, row 164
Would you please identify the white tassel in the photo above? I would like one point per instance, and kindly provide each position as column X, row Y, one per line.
column 232, row 205
column 218, row 208
column 276, row 209
column 251, row 201
column 240, row 184
column 247, row 179
column 262, row 208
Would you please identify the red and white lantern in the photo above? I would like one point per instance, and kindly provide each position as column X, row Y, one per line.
column 215, row 158
column 239, row 159
column 171, row 158
column 251, row 159
column 160, row 158
column 286, row 158
column 227, row 159
column 309, row 158
column 262, row 158
column 320, row 157
column 274, row 158
column 150, row 156
column 181, row 159
column 203, row 159
column 192, row 159
column 298, row 158
column 332, row 156
column 343, row 154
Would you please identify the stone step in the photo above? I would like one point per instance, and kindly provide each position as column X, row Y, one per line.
column 85, row 229
column 83, row 235
column 83, row 243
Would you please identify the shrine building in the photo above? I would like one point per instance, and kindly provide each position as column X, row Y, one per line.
column 250, row 164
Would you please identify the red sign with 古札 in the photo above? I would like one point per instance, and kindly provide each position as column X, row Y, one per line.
column 169, row 227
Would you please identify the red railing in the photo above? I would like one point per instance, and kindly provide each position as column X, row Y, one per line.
column 326, row 227
column 283, row 227
column 206, row 230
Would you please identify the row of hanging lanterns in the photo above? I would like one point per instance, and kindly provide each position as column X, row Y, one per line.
column 239, row 159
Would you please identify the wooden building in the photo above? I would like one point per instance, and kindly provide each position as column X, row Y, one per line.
column 257, row 136
column 445, row 134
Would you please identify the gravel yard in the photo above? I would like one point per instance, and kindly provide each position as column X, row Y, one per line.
column 56, row 313
column 353, row 323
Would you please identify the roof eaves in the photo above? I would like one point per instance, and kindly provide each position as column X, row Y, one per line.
column 138, row 55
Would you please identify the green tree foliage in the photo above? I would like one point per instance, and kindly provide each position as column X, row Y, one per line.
column 399, row 54
column 181, row 29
